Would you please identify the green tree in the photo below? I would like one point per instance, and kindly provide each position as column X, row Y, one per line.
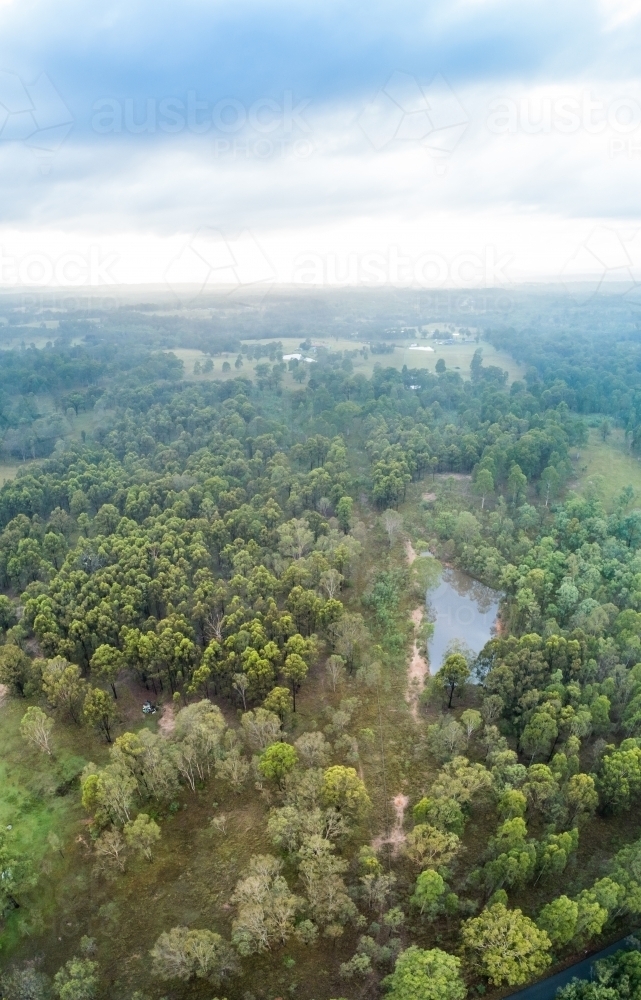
column 107, row 663
column 64, row 688
column 16, row 875
column 453, row 675
column 581, row 796
column 551, row 483
column 100, row 711
column 559, row 920
column 16, row 670
column 605, row 429
column 505, row 946
column 76, row 980
column 276, row 761
column 425, row 975
column 619, row 781
column 183, row 953
column 426, row 844
column 344, row 513
column 142, row 835
column 342, row 789
column 539, row 735
column 7, row 614
column 428, row 894
column 107, row 519
column 582, row 989
column 295, row 671
column 516, row 483
column 472, row 721
column 483, row 485
column 280, row 702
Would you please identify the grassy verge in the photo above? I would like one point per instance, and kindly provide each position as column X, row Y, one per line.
column 610, row 460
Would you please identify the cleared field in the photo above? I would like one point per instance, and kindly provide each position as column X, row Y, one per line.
column 9, row 470
column 610, row 460
column 455, row 356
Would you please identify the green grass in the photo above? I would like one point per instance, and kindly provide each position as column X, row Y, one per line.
column 37, row 797
column 610, row 460
column 456, row 357
column 9, row 470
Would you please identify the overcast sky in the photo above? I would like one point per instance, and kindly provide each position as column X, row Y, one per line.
column 434, row 144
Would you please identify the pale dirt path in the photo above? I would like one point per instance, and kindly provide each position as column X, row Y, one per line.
column 167, row 721
column 397, row 835
column 418, row 668
column 4, row 691
column 417, row 671
column 409, row 551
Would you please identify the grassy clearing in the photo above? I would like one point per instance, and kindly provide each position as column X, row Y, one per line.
column 611, row 460
column 9, row 470
column 456, row 357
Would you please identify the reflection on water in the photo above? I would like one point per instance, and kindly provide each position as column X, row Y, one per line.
column 461, row 608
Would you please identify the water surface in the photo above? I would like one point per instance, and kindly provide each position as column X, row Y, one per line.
column 461, row 608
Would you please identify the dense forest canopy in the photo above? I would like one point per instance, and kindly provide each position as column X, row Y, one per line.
column 228, row 547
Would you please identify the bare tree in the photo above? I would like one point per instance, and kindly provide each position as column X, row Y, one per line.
column 36, row 727
column 331, row 582
column 213, row 625
column 335, row 668
column 110, row 848
column 240, row 683
column 392, row 522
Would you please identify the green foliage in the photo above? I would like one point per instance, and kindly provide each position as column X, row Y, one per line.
column 559, row 920
column 277, row 760
column 76, row 980
column 184, row 954
column 99, row 711
column 17, row 875
column 431, row 895
column 142, row 835
column 345, row 791
column 186, row 544
column 452, row 676
column 425, row 975
column 17, row 671
column 344, row 512
column 505, row 946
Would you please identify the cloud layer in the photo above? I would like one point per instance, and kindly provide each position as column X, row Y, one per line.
column 320, row 128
